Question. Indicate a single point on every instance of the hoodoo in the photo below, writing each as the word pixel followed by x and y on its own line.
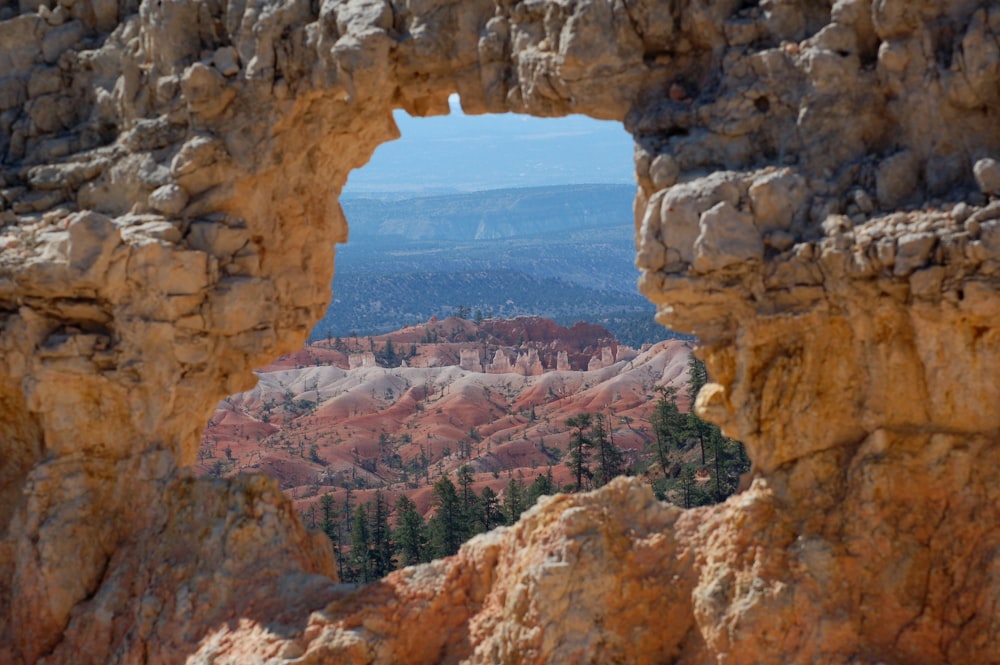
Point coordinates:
pixel 817 202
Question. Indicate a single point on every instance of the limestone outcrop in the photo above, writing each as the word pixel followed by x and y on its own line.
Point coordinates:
pixel 816 201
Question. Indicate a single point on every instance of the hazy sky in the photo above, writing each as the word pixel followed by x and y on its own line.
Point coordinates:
pixel 460 152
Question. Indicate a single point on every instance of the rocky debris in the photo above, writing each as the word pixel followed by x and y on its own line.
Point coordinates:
pixel 987 172
pixel 814 203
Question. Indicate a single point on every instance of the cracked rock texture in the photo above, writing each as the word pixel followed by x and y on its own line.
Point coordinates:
pixel 816 200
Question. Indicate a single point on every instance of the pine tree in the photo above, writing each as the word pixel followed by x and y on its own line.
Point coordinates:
pixel 348 514
pixel 541 486
pixel 609 457
pixel 729 461
pixel 328 517
pixel 360 546
pixel 382 562
pixel 741 463
pixel 698 377
pixel 386 447
pixel 469 500
pixel 701 430
pixel 490 514
pixel 579 448
pixel 388 356
pixel 668 424
pixel 447 532
pixel 329 524
pixel 411 533
pixel 687 487
pixel 514 500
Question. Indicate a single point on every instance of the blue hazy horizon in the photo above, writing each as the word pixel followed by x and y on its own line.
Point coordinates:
pixel 459 152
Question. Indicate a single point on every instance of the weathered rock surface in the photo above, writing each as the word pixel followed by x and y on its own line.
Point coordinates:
pixel 813 202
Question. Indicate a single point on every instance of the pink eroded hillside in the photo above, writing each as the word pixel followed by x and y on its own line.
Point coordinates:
pixel 318 426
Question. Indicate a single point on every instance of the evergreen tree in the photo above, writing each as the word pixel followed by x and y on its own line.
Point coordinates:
pixel 328 517
pixel 729 461
pixel 331 527
pixel 447 532
pixel 360 546
pixel 469 500
pixel 697 376
pixel 382 562
pixel 702 430
pixel 411 533
pixel 514 500
pixel 687 486
pixel 424 461
pixel 668 424
pixel 386 447
pixel 729 458
pixel 609 458
pixel 579 448
pixel 348 516
pixel 541 486
pixel 388 356
pixel 692 494
pixel 490 514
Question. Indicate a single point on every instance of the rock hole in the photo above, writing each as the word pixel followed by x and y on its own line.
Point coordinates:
pixel 440 223
pixel 762 104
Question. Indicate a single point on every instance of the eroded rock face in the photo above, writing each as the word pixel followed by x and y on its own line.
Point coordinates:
pixel 813 202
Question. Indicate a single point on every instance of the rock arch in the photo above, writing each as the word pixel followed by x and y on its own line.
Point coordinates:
pixel 813 183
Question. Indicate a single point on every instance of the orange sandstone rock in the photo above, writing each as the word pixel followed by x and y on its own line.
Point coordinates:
pixel 168 183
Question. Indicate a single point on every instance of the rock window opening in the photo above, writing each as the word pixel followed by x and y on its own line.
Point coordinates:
pixel 484 319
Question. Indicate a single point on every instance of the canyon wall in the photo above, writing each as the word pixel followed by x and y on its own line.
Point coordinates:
pixel 816 201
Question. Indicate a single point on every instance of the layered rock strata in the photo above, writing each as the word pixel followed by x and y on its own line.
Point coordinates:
pixel 816 202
